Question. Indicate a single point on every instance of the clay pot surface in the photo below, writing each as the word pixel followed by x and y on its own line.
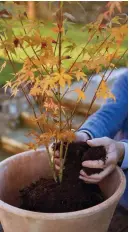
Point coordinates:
pixel 20 170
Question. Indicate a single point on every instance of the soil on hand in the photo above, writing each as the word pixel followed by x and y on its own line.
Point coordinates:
pixel 72 194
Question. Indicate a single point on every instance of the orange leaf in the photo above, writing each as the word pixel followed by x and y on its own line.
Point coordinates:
pixel 104 91
pixel 57 29
pixel 80 93
pixel 80 75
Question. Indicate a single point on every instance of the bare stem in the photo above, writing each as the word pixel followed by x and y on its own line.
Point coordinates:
pixel 61 158
pixel 60 51
pixel 52 166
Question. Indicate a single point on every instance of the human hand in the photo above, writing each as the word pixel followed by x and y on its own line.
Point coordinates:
pixel 115 153
pixel 80 137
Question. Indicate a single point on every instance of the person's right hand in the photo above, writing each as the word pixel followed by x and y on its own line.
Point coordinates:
pixel 115 151
pixel 80 137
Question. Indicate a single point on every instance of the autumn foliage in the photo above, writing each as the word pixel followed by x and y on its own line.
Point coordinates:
pixel 44 78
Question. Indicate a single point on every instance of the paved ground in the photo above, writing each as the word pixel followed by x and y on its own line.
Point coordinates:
pixel 119 222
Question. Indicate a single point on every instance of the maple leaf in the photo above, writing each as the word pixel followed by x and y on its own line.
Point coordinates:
pixel 104 91
pixel 99 61
pixel 57 29
pixel 116 20
pixel 62 82
pixel 70 47
pixel 119 33
pixel 80 75
pixel 110 56
pixel 50 105
pixel 62 78
pixel 81 94
pixel 67 135
pixel 7 85
pixel 35 91
pixel 46 138
pixel 24 76
pixel 14 92
pixel 8 46
pixel 27 64
pixel 78 66
pixel 36 39
pixel 47 59
pixel 3 66
pixel 33 134
pixel 41 118
pixel 31 146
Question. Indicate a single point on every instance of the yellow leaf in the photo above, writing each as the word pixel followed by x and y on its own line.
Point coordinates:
pixel 46 60
pixel 46 138
pixel 62 82
pixel 66 136
pixel 119 33
pixel 80 75
pixel 35 91
pixel 104 91
pixel 31 146
pixel 7 85
pixel 14 92
pixel 36 38
pixel 80 93
pixel 57 29
pixel 50 105
pixel 42 118
pixel 62 78
pixel 78 65
pixel 3 66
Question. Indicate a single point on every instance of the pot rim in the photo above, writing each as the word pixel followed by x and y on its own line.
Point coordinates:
pixel 66 215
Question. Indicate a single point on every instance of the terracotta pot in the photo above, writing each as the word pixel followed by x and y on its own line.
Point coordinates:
pixel 20 170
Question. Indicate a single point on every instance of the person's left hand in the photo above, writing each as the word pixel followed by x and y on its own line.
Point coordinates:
pixel 115 153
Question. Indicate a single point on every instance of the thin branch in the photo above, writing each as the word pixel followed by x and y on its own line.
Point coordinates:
pixel 82 51
pixel 27 97
pixel 94 97
pixel 116 64
pixel 86 84
pixel 32 46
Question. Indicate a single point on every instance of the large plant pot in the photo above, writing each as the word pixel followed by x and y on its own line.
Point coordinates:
pixel 20 170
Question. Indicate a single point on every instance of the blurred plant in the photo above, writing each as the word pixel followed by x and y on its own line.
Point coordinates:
pixel 45 80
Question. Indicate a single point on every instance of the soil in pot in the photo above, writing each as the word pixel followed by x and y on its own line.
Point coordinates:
pixel 72 194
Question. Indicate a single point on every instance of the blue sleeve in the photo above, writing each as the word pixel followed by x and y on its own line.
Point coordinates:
pixel 124 164
pixel 108 120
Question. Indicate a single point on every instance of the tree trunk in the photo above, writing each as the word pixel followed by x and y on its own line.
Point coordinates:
pixel 31 10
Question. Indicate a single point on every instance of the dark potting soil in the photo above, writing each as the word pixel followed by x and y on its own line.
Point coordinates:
pixel 72 194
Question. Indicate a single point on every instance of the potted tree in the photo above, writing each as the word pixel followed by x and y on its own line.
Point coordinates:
pixel 47 75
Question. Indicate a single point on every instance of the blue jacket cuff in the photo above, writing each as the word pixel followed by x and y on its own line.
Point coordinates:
pixel 125 160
